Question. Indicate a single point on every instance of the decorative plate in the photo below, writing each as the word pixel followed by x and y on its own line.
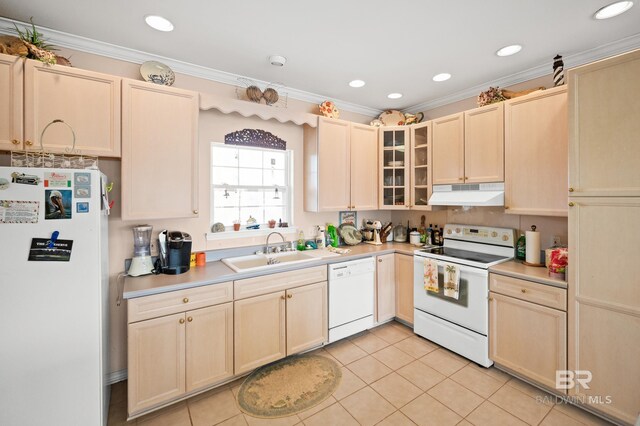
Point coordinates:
pixel 157 72
pixel 350 234
pixel 329 110
pixel 392 117
pixel 218 227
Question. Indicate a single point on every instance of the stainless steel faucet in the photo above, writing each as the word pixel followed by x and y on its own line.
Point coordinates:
pixel 269 236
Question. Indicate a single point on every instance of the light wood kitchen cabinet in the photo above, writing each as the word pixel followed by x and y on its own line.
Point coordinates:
pixel 421 164
pixel 536 153
pixel 259 334
pixel 394 168
pixel 484 144
pixel 159 152
pixel 527 338
pixel 11 102
pixel 404 287
pixel 156 361
pixel 385 287
pixel 37 94
pixel 307 317
pixel 448 149
pixel 338 157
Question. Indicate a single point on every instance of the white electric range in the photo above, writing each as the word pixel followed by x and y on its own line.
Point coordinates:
pixel 462 324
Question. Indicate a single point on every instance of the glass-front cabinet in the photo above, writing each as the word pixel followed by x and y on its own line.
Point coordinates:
pixel 420 166
pixel 394 168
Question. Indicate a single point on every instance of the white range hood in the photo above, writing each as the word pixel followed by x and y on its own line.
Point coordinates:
pixel 482 194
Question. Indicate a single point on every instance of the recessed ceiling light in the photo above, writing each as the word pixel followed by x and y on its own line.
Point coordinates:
pixel 277 60
pixel 394 95
pixel 614 9
pixel 158 23
pixel 442 77
pixel 356 83
pixel 509 50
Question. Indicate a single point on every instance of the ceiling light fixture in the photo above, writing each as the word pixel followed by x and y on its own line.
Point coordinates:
pixel 442 77
pixel 158 23
pixel 277 60
pixel 509 50
pixel 394 95
pixel 356 83
pixel 614 9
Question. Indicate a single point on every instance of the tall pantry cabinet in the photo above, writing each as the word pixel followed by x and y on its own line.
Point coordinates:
pixel 604 225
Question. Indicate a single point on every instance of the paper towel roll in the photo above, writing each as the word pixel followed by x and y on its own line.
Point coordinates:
pixel 533 246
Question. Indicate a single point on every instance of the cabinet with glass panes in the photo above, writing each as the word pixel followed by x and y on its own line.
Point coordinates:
pixel 420 166
pixel 394 168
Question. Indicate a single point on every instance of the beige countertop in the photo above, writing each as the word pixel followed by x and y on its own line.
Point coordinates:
pixel 217 272
pixel 516 269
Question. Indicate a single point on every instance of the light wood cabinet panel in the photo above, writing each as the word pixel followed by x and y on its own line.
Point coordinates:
pixel 546 295
pixel 11 102
pixel 307 317
pixel 603 138
pixel 385 287
pixel 527 338
pixel 448 149
pixel 394 168
pixel 404 287
pixel 209 346
pixel 364 162
pixel 259 331
pixel 87 101
pixel 536 156
pixel 156 361
pixel 159 152
pixel 484 144
pixel 421 166
pixel 264 284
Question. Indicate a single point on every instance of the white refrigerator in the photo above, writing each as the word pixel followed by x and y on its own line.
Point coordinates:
pixel 53 297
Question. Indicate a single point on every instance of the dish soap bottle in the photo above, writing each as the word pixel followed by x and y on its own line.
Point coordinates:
pixel 300 241
pixel 332 235
pixel 521 248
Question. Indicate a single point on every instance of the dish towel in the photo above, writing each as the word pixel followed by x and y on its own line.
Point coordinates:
pixel 451 280
pixel 431 275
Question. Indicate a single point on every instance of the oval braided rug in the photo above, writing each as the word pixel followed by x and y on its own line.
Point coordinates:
pixel 289 386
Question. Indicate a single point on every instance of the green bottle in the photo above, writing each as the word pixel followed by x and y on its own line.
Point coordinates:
pixel 521 248
pixel 332 235
pixel 301 241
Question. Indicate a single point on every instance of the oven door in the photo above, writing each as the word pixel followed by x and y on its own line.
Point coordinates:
pixel 470 310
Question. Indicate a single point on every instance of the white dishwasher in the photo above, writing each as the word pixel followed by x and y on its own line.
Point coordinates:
pixel 351 297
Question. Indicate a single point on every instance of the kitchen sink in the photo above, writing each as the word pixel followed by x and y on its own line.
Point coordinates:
pixel 258 262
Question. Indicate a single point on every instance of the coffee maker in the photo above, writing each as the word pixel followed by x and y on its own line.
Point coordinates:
pixel 141 263
pixel 175 252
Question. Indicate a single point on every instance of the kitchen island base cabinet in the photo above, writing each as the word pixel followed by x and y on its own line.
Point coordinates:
pixel 404 287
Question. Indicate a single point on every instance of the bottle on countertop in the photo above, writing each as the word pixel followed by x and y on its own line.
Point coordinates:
pixel 521 248
pixel 436 235
pixel 441 237
pixel 300 241
pixel 321 237
pixel 430 234
pixel 332 235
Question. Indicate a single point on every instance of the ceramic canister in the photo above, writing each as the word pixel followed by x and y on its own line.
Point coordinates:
pixel 414 238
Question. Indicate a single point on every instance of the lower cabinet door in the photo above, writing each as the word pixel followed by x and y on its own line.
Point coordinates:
pixel 404 287
pixel 385 287
pixel 259 331
pixel 307 317
pixel 209 345
pixel 527 338
pixel 156 361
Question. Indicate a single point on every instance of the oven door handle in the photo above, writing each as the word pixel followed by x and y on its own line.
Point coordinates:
pixel 462 268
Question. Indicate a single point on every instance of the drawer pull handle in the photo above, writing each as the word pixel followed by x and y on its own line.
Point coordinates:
pixel 189 319
pixel 15 142
pixel 571 204
pixel 289 296
pixel 181 320
pixel 28 143
pixel 282 297
pixel 185 300
pixel 524 290
pixel 571 189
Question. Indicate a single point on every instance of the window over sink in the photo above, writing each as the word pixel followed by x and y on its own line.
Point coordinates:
pixel 250 182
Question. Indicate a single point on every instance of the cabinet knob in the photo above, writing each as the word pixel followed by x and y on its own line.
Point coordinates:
pixel 466 178
pixel 289 296
pixel 181 320
pixel 571 204
pixel 185 300
pixel 379 260
pixel 195 212
pixel 506 207
pixel 570 189
pixel 282 297
pixel 15 141
pixel 460 178
pixel 28 143
pixel 189 319
pixel 490 299
pixel 524 290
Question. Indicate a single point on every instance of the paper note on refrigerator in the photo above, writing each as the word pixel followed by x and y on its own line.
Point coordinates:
pixel 19 211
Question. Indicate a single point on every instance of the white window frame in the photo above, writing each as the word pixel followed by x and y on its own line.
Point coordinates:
pixel 286 192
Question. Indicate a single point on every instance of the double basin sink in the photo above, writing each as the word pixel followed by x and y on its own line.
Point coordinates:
pixel 259 262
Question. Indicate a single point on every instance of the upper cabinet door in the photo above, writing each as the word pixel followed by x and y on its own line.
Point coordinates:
pixel 364 162
pixel 159 152
pixel 536 153
pixel 11 102
pixel 604 127
pixel 87 101
pixel 333 165
pixel 448 149
pixel 484 144
pixel 420 166
pixel 394 167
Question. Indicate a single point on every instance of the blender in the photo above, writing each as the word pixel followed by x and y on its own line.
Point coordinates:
pixel 141 263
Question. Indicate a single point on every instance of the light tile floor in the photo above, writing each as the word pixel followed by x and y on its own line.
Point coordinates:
pixel 391 377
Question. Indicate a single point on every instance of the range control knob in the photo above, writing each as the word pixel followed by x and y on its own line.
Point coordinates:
pixel 494 234
pixel 505 237
pixel 457 230
pixel 449 231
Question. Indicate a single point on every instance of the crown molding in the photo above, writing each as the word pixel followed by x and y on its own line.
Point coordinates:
pixel 571 61
pixel 83 44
